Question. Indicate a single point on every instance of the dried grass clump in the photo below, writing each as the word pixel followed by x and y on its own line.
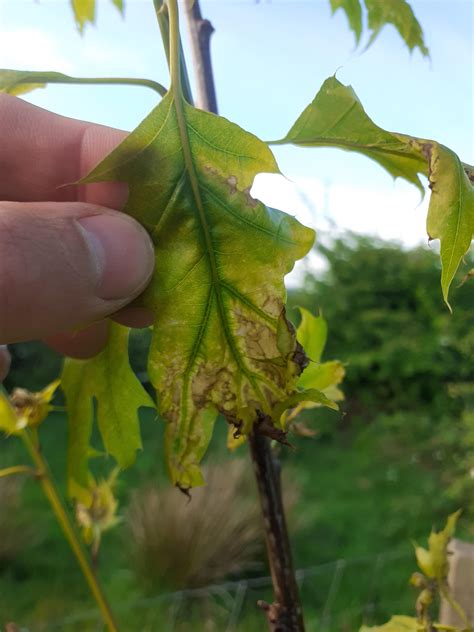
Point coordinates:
pixel 178 542
pixel 13 532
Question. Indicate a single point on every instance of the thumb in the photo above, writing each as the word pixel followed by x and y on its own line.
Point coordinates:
pixel 63 265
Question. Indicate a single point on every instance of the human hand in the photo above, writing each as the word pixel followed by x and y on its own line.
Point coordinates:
pixel 68 257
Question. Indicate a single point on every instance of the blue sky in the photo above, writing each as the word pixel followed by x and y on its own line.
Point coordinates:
pixel 270 58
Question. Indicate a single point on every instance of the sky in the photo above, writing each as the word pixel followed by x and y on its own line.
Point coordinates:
pixel 270 58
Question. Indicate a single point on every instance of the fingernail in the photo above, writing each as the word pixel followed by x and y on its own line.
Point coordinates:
pixel 123 254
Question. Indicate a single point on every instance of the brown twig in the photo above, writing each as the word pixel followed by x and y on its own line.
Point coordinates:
pixel 285 613
pixel 200 32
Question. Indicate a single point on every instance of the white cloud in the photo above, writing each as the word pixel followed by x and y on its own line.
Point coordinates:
pixel 32 49
pixel 390 212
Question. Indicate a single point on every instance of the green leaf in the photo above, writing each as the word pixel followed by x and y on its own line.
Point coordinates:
pixel 119 4
pixel 451 211
pixel 84 13
pixel 8 419
pixel 323 376
pixel 353 10
pixel 109 379
pixel 400 14
pixel 219 341
pixel 336 118
pixel 398 623
pixel 300 397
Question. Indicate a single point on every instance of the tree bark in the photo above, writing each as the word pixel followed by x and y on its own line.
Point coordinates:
pixel 200 32
pixel 285 613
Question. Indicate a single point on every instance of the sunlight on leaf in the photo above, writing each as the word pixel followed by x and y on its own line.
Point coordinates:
pixel 221 342
pixel 108 379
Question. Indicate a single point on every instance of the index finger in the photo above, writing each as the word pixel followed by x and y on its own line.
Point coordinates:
pixel 41 151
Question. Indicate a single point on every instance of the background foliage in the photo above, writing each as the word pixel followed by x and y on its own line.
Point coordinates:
pixel 399 460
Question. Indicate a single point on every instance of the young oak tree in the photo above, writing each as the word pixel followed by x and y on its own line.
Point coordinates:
pixel 221 342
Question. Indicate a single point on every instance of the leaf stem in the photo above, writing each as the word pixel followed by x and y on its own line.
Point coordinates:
pixel 39 77
pixel 175 48
pixel 70 533
pixel 16 469
pixel 163 17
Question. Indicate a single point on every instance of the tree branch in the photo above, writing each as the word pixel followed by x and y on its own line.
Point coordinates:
pixel 285 614
pixel 200 32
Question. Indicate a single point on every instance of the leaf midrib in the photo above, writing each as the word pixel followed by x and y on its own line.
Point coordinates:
pixel 216 281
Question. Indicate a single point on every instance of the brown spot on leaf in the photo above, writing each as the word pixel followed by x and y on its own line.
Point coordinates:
pixel 251 201
pixel 232 182
pixel 300 358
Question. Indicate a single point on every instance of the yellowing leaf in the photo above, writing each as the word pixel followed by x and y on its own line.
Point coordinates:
pixel 99 512
pixel 323 376
pixel 84 12
pixel 398 623
pixel 221 342
pixel 336 118
pixel 400 14
pixel 234 439
pixel 109 379
pixel 312 334
pixel 424 561
pixel 438 548
pixel 310 395
pixel 8 418
pixel 32 408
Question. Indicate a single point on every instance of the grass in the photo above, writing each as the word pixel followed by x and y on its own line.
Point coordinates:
pixel 354 504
